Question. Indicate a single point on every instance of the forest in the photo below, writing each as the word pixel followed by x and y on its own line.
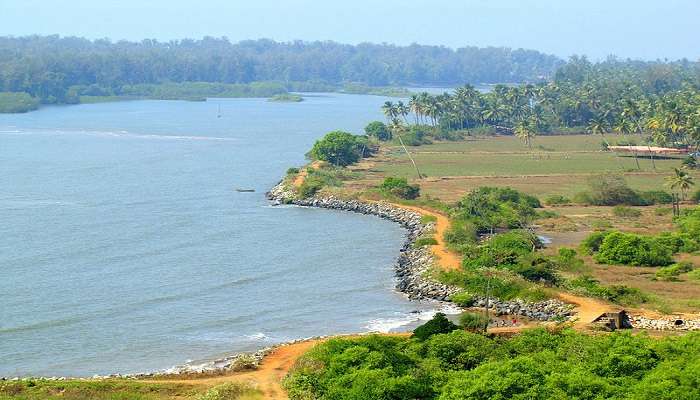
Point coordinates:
pixel 60 69
pixel 658 99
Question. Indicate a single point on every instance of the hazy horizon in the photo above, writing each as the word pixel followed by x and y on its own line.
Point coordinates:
pixel 646 30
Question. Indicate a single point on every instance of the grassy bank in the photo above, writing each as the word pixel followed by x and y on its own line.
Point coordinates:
pixel 11 102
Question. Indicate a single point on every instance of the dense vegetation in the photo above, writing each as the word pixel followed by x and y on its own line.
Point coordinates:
pixel 56 70
pixel 17 102
pixel 340 148
pixel 536 364
pixel 659 100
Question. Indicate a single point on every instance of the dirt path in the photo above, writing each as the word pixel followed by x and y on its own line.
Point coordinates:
pixel 447 259
pixel 304 172
pixel 267 378
pixel 587 309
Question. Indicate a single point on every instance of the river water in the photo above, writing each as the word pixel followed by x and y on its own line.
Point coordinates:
pixel 125 248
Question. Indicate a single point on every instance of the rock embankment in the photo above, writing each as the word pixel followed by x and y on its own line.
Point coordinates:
pixel 665 324
pixel 414 264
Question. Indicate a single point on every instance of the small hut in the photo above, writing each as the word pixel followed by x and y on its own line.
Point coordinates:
pixel 613 320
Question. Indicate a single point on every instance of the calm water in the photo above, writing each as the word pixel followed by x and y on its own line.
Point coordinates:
pixel 124 246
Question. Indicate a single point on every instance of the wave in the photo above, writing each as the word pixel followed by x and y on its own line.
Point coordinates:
pixel 118 134
pixel 386 325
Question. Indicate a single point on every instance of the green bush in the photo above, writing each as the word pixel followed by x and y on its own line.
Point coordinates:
pixel 460 234
pixel 473 321
pixel 619 294
pixel 689 223
pixel 227 391
pixel 592 243
pixel 427 219
pixel 378 130
pixel 502 250
pixel 417 135
pixel 489 208
pixel 672 272
pixel 654 197
pixel 626 212
pixel 463 299
pixel 310 187
pixel 556 199
pixel 537 268
pixel 631 249
pixel 292 171
pixel 425 241
pixel 437 325
pixel 566 254
pixel 17 102
pixel 690 162
pixel 399 187
pixel 695 197
pixel 611 190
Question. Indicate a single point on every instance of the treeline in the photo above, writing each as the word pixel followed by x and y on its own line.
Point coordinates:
pixel 47 67
pixel 658 99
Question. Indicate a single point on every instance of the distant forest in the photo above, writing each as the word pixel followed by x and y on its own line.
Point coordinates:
pixel 57 69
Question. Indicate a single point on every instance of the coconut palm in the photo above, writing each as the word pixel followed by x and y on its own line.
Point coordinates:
pixel 680 181
pixel 525 131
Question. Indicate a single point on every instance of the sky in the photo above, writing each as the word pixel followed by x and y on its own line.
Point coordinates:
pixel 640 29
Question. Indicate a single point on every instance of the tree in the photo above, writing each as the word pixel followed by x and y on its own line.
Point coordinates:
pixel 680 181
pixel 525 131
pixel 378 130
pixel 337 147
pixel 438 324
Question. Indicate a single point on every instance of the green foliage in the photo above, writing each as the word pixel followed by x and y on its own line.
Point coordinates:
pixel 619 294
pixel 631 249
pixel 536 365
pixel 111 389
pixel 502 250
pixel 695 197
pixel 229 391
pixel 460 234
pixel 672 272
pixel 690 162
pixel 378 130
pixel 689 223
pixel 425 241
pixel 473 321
pixel 286 98
pixel 591 244
pixel 626 212
pixel 292 171
pixel 198 91
pixel 399 187
pixel 489 208
pixel 502 284
pixel 654 197
pixel 417 135
pixel 427 219
pixel 338 148
pixel 17 102
pixel 556 199
pixel 611 190
pixel 437 325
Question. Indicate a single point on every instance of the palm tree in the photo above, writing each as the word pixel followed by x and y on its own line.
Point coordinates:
pixel 525 131
pixel 397 130
pixel 681 181
pixel 390 111
pixel 623 127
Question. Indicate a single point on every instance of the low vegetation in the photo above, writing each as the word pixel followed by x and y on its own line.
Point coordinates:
pixel 340 148
pixel 536 364
pixel 17 102
pixel 286 98
pixel 400 188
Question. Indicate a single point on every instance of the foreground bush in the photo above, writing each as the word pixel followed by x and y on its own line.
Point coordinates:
pixel 339 148
pixel 535 365
pixel 438 324
pixel 378 130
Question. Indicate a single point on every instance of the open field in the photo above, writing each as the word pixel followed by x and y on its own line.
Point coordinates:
pixel 455 168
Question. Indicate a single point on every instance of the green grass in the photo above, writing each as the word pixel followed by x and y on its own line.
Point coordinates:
pixel 514 164
pixel 510 143
pixel 286 98
pixel 113 389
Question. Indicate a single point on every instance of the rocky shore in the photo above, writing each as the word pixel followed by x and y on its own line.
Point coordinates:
pixel 413 266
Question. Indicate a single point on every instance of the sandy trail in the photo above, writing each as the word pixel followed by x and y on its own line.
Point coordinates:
pixel 304 172
pixel 267 378
pixel 447 259
pixel 587 309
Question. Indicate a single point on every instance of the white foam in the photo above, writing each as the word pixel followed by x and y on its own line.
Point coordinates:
pixel 386 325
pixel 258 336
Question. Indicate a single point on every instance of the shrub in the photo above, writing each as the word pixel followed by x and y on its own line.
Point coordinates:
pixel 489 207
pixel 427 219
pixel 292 171
pixel 654 197
pixel 227 391
pixel 17 102
pixel 556 199
pixel 631 249
pixel 592 243
pixel 416 136
pixel 310 187
pixel 502 250
pixel 611 190
pixel 566 254
pixel 689 223
pixel 425 241
pixel 537 269
pixel 399 187
pixel 437 325
pixel 473 321
pixel 626 212
pixel 690 162
pixel 695 197
pixel 378 130
pixel 583 198
pixel 617 293
pixel 672 272
pixel 463 299
pixel 460 233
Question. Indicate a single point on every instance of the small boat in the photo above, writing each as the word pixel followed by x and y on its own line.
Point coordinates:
pixel 244 190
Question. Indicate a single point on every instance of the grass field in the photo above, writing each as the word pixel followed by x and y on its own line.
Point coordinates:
pixel 454 168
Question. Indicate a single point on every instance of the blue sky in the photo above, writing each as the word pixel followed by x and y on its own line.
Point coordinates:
pixel 647 29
